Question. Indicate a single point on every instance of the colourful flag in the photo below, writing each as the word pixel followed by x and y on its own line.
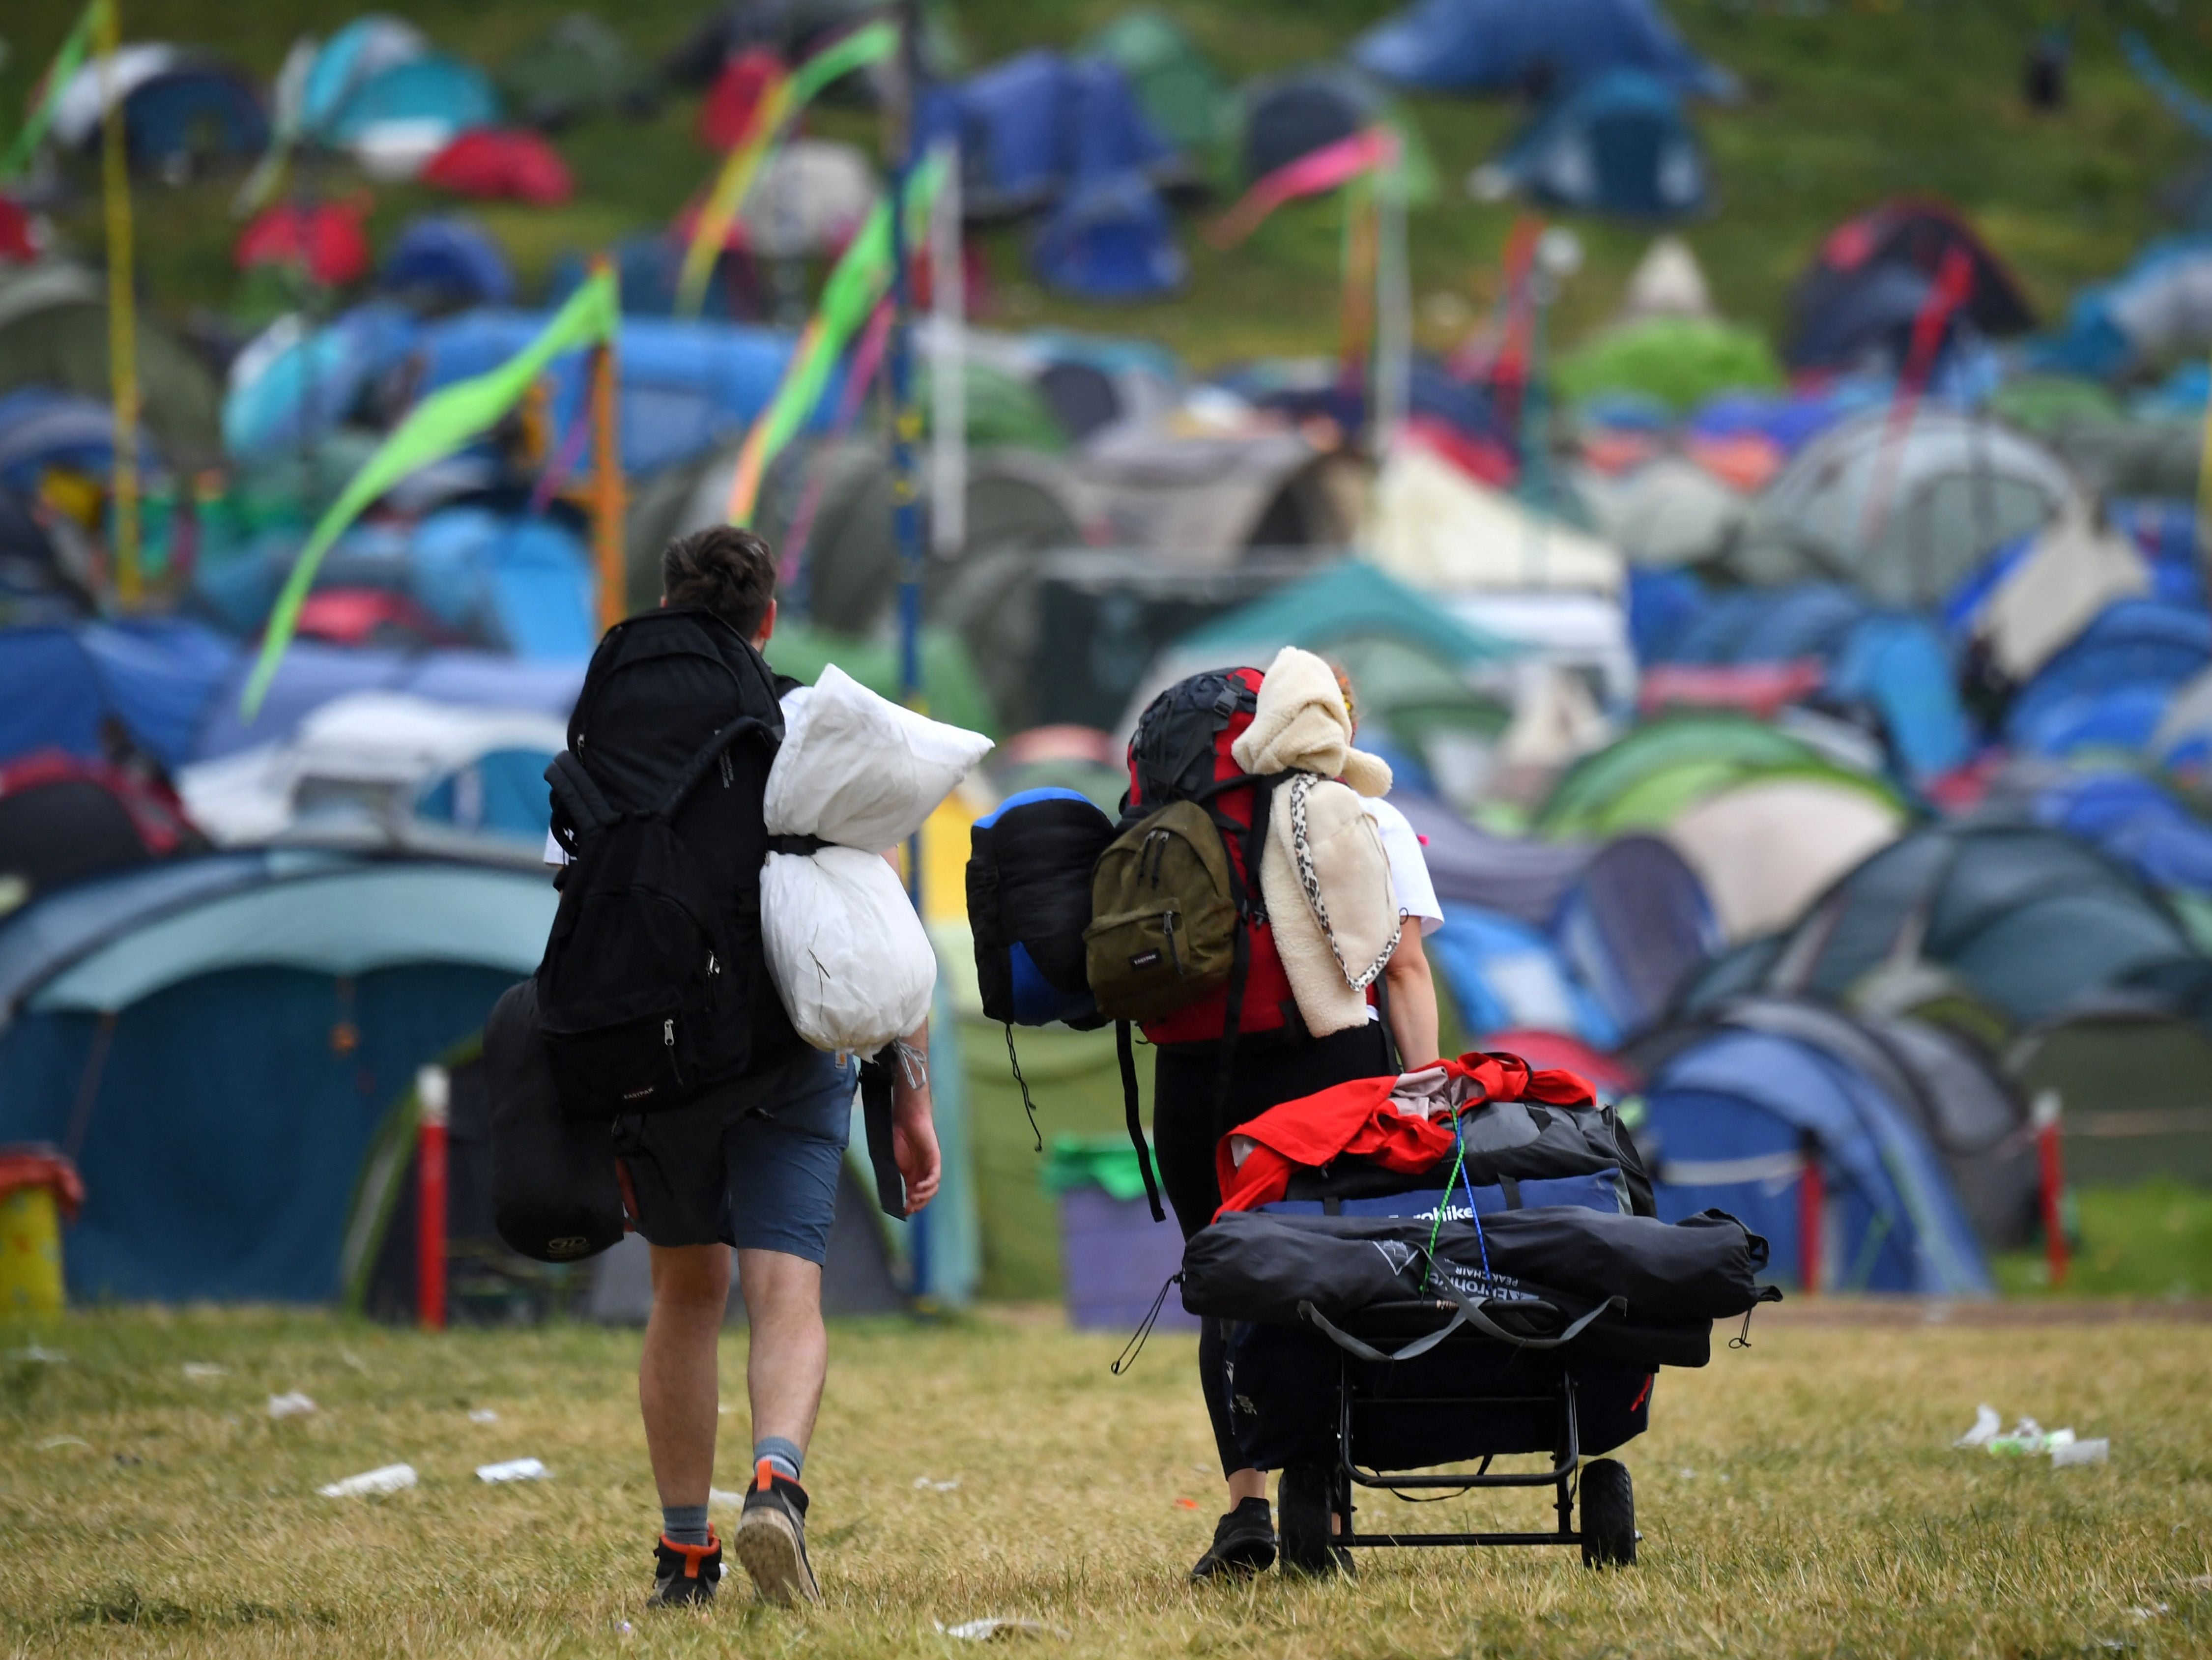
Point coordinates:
pixel 1320 170
pixel 446 421
pixel 862 273
pixel 48 91
pixel 782 101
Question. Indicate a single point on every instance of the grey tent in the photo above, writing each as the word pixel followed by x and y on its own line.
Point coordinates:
pixel 1902 513
pixel 1205 498
pixel 2133 1084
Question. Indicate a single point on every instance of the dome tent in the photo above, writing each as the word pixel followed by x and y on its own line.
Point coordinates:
pixel 1618 144
pixel 1906 238
pixel 1952 490
pixel 212 1040
pixel 182 109
pixel 1502 46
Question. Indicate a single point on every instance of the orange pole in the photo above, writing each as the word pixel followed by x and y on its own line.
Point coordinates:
pixel 607 492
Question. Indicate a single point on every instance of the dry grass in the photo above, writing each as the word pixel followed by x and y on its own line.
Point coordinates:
pixel 1799 1497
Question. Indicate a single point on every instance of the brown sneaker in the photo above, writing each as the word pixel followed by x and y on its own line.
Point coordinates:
pixel 684 1573
pixel 771 1539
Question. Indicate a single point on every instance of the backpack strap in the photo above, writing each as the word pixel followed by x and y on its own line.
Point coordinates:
pixel 875 1079
pixel 708 753
pixel 1125 1052
pixel 1251 912
pixel 579 805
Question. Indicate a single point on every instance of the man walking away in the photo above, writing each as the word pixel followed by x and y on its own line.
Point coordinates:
pixel 752 1164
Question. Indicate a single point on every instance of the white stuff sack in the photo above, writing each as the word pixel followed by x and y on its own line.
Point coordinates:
pixel 849 957
pixel 859 770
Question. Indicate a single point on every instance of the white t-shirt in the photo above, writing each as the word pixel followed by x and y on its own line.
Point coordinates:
pixel 1409 870
pixel 557 855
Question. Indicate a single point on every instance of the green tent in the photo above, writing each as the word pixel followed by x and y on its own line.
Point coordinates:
pixel 53 333
pixel 1644 780
pixel 576 69
pixel 1181 93
pixel 1679 361
pixel 2048 404
pixel 1003 410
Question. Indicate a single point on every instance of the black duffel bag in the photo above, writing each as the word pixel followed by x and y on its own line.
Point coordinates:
pixel 1541 1277
pixel 554 1196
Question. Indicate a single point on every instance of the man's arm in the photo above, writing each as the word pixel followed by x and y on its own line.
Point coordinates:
pixel 914 1132
pixel 1413 998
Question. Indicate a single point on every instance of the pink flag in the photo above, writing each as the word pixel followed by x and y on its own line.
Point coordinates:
pixel 1316 171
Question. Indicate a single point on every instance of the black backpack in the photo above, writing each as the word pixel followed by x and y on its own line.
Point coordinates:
pixel 653 985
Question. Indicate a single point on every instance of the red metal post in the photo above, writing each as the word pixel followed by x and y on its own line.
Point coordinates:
pixel 1811 1218
pixel 432 1092
pixel 2052 1163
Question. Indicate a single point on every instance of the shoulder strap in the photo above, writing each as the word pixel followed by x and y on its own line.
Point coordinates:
pixel 1125 1052
pixel 577 799
pixel 708 755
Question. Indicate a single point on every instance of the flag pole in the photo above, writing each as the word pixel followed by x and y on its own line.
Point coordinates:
pixel 603 380
pixel 122 318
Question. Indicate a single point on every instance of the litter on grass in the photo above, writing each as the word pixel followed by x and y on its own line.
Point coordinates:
pixel 290 1404
pixel 923 1484
pixel 37 1356
pixel 2096 1451
pixel 202 1372
pixel 990 1630
pixel 53 1441
pixel 391 1478
pixel 484 1415
pixel 725 1499
pixel 2029 1439
pixel 1987 1423
pixel 514 1470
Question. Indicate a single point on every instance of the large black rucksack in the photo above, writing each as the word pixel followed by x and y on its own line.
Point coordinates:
pixel 653 985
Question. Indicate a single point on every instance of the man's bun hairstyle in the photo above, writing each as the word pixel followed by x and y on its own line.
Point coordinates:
pixel 723 569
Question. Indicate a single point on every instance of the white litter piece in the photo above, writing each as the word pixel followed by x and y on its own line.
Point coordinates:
pixel 484 1415
pixel 923 1484
pixel 37 1356
pixel 1987 1422
pixel 993 1629
pixel 389 1479
pixel 54 1441
pixel 290 1404
pixel 722 1498
pixel 514 1470
pixel 202 1372
pixel 2098 1451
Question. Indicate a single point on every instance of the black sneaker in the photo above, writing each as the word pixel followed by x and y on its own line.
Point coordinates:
pixel 771 1539
pixel 1244 1544
pixel 684 1573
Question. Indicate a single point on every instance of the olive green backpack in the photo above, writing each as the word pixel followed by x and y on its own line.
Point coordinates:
pixel 1164 918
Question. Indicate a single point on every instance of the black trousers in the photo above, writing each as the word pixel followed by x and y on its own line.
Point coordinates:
pixel 1267 1070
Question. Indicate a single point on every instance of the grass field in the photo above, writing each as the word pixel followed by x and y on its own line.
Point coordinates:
pixel 1800 1497
pixel 1845 103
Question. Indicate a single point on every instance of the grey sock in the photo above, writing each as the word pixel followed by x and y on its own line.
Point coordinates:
pixel 685 1524
pixel 783 1456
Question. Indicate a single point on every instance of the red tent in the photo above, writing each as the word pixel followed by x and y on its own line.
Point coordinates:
pixel 737 92
pixel 487 163
pixel 324 239
pixel 370 616
pixel 1612 1074
pixel 19 238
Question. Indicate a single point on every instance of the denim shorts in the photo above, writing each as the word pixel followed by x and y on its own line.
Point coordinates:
pixel 751 1164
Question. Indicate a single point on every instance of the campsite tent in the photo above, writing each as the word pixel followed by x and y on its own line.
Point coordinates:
pixel 36 588
pixel 489 164
pixel 1180 92
pixel 448 262
pixel 1286 116
pixel 153 676
pixel 1109 238
pixel 2111 686
pixel 355 55
pixel 1766 847
pixel 2128 1077
pixel 1952 1089
pixel 1033 125
pixel 1669 513
pixel 2138 821
pixel 1520 877
pixel 2183 738
pixel 1902 511
pixel 1736 1119
pixel 1682 361
pixel 2026 921
pixel 1501 972
pixel 2159 308
pixel 1432 526
pixel 381 759
pixel 40 429
pixel 182 109
pixel 1618 144
pixel 1498 46
pixel 1205 496
pixel 1633 926
pixel 1902 238
pixel 53 333
pixel 63 819
pixel 577 67
pixel 213 1041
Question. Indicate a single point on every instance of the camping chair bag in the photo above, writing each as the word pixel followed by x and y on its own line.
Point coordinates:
pixel 555 1196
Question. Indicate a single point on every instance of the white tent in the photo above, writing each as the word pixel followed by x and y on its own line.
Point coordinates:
pixel 1666 281
pixel 1430 525
pixel 1766 849
pixel 1671 512
pixel 2073 570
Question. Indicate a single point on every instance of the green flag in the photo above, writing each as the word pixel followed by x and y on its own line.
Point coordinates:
pixel 441 423
pixel 48 91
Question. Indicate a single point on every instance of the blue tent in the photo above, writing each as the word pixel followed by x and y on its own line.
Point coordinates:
pixel 42 427
pixel 196 110
pixel 356 54
pixel 431 88
pixel 1032 126
pixel 215 1042
pixel 1898 665
pixel 2112 682
pixel 1737 1117
pixel 1634 928
pixel 289 387
pixel 2166 532
pixel 523 583
pixel 1664 610
pixel 1109 238
pixel 1772 625
pixel 1505 45
pixel 448 259
pixel 156 677
pixel 2137 318
pixel 1506 975
pixel 1618 144
pixel 2138 821
pixel 686 387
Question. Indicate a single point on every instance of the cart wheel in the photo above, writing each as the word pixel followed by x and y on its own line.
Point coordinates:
pixel 1302 1520
pixel 1608 1515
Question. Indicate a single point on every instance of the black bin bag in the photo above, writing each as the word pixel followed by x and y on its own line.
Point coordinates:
pixel 555 1196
